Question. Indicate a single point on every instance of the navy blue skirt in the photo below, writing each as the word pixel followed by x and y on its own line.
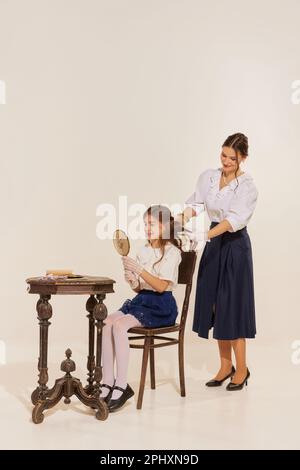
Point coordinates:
pixel 225 288
pixel 153 309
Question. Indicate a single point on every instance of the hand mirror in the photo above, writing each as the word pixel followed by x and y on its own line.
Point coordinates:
pixel 121 242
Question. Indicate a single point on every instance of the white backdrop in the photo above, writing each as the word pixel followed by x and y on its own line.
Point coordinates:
pixel 134 98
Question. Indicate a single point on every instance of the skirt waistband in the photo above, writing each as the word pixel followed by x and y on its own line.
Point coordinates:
pixel 213 224
pixel 154 292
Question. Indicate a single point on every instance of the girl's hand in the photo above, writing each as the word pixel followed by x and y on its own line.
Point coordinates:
pixel 131 265
pixel 131 278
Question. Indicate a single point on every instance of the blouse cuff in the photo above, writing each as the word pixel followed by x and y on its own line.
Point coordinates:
pixel 234 223
pixel 197 207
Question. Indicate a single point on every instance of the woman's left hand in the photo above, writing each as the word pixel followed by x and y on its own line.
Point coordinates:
pixel 196 238
pixel 197 235
pixel 131 265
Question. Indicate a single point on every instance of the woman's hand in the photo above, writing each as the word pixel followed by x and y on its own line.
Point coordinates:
pixel 178 228
pixel 197 237
pixel 131 265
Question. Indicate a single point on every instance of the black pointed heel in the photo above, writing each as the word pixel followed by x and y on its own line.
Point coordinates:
pixel 232 386
pixel 218 383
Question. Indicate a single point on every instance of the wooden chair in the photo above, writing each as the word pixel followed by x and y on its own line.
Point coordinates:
pixel 150 336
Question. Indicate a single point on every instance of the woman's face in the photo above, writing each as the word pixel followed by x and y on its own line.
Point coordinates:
pixel 153 228
pixel 229 159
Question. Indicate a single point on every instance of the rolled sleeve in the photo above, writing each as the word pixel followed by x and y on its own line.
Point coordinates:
pixel 242 207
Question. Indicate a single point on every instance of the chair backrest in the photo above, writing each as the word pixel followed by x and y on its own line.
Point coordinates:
pixel 185 276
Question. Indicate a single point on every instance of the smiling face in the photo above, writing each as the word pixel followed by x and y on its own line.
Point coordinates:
pixel 230 160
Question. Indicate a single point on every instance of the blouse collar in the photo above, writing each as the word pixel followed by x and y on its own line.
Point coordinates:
pixel 216 178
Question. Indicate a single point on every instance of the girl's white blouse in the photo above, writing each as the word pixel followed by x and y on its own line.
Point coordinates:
pixel 166 269
pixel 235 202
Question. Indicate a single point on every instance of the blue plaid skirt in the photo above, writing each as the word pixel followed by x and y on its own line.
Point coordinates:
pixel 153 309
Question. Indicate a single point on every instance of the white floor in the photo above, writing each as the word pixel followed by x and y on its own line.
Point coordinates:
pixel 265 415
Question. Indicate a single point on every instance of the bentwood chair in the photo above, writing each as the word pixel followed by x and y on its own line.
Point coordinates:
pixel 154 338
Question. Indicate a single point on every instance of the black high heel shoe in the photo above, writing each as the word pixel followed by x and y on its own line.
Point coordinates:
pixel 218 383
pixel 232 386
pixel 115 404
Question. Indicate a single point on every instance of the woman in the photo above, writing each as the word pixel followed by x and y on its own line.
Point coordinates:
pixel 225 288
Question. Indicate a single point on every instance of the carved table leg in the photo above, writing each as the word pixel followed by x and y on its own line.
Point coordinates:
pixel 66 387
pixel 100 313
pixel 90 305
pixel 44 311
pixel 91 401
pixel 52 399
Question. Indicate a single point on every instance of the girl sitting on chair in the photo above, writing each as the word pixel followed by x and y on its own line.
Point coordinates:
pixel 153 276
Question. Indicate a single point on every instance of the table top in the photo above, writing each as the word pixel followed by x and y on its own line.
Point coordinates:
pixel 49 285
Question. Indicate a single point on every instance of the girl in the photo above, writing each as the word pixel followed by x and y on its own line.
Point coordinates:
pixel 225 287
pixel 153 276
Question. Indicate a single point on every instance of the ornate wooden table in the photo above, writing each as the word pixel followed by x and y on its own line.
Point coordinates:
pixel 43 397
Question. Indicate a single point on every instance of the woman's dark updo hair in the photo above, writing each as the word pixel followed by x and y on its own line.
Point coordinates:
pixel 239 143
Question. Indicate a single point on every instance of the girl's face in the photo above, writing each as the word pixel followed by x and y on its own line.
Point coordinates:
pixel 229 159
pixel 153 228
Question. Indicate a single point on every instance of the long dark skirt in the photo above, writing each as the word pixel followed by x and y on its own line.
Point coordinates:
pixel 225 288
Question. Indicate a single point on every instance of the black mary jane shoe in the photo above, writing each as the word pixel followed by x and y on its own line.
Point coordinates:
pixel 218 383
pixel 232 386
pixel 108 396
pixel 114 405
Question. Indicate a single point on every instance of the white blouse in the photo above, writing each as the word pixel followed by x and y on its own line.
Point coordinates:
pixel 166 269
pixel 235 202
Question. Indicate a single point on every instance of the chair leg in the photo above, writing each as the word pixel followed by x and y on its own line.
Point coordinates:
pixel 143 373
pixel 181 366
pixel 152 365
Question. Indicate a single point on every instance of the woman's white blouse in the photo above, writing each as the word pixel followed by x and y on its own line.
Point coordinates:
pixel 166 269
pixel 235 202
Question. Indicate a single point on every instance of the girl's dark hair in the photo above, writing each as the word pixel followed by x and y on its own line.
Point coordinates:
pixel 239 143
pixel 163 215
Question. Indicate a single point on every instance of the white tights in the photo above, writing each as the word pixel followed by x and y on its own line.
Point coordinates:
pixel 115 347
